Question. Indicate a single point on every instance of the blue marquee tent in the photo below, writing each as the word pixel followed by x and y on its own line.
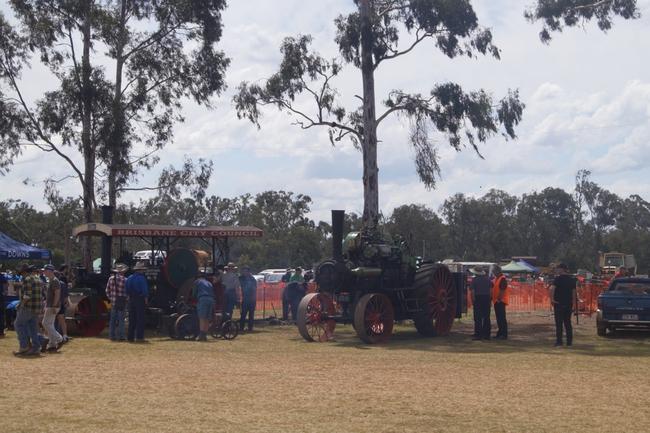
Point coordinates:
pixel 11 249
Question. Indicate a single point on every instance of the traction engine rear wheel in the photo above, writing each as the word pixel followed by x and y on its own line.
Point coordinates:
pixel 315 321
pixel 434 288
pixel 374 317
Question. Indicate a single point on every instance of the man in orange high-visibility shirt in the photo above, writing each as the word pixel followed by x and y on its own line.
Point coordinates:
pixel 500 299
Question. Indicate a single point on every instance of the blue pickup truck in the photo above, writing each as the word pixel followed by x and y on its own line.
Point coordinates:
pixel 624 305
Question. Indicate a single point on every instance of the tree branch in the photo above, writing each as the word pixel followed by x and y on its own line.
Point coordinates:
pixel 38 129
pixel 388 112
pixel 593 5
pixel 154 38
pixel 418 39
pixel 310 121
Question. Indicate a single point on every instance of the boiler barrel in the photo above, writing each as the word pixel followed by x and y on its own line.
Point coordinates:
pixel 86 315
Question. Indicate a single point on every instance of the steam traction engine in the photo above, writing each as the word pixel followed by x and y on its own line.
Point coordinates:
pixel 372 283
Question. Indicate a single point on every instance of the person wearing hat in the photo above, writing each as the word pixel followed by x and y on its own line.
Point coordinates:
pixel 203 292
pixel 563 292
pixel 52 306
pixel 231 288
pixel 480 289
pixel 248 285
pixel 116 293
pixel 137 290
pixel 29 308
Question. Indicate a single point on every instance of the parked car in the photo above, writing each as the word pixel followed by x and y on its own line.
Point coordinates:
pixel 145 256
pixel 624 305
pixel 273 275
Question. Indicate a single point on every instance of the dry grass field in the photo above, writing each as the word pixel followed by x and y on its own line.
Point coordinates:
pixel 272 381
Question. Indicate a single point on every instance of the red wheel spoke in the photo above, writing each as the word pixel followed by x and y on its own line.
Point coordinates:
pixel 313 317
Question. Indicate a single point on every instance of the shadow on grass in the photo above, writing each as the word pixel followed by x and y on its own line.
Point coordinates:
pixel 532 338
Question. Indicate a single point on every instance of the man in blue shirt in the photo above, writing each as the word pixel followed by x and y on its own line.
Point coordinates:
pixel 248 286
pixel 481 291
pixel 137 289
pixel 203 292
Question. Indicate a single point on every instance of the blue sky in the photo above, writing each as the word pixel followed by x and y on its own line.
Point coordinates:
pixel 587 97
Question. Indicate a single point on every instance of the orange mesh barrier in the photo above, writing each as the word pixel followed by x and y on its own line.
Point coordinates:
pixel 528 296
pixel 525 296
pixel 269 296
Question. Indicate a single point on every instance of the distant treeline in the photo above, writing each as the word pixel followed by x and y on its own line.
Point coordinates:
pixel 551 224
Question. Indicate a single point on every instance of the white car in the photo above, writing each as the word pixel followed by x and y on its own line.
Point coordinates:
pixel 145 255
pixel 273 275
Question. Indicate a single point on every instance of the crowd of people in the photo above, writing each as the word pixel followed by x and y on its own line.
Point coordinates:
pixel 43 298
pixel 492 290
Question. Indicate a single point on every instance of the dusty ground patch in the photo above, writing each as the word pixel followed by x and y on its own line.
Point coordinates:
pixel 272 381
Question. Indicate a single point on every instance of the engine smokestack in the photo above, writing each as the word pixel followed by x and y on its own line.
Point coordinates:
pixel 337 234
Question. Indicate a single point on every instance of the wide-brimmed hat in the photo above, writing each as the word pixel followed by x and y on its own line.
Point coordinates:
pixel 478 270
pixel 120 267
pixel 140 266
pixel 49 267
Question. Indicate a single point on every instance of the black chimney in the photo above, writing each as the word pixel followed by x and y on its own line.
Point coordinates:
pixel 107 241
pixel 337 234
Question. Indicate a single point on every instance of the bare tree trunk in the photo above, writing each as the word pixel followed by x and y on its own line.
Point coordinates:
pixel 369 143
pixel 86 142
pixel 117 133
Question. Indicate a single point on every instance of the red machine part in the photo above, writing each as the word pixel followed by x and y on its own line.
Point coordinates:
pixel 434 288
pixel 314 317
pixel 374 317
pixel 86 316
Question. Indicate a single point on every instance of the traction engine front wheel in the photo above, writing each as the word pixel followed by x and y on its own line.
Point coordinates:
pixel 315 321
pixel 374 317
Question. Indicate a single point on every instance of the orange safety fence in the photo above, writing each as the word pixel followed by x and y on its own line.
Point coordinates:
pixel 525 296
pixel 534 295
pixel 269 297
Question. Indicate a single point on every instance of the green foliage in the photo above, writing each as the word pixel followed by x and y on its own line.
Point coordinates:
pixel 466 118
pixel 49 230
pixel 162 52
pixel 558 14
pixel 452 25
pixel 421 228
pixel 551 224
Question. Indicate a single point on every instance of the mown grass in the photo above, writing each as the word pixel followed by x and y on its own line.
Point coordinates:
pixel 273 381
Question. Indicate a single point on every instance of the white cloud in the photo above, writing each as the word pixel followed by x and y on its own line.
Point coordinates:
pixel 587 96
